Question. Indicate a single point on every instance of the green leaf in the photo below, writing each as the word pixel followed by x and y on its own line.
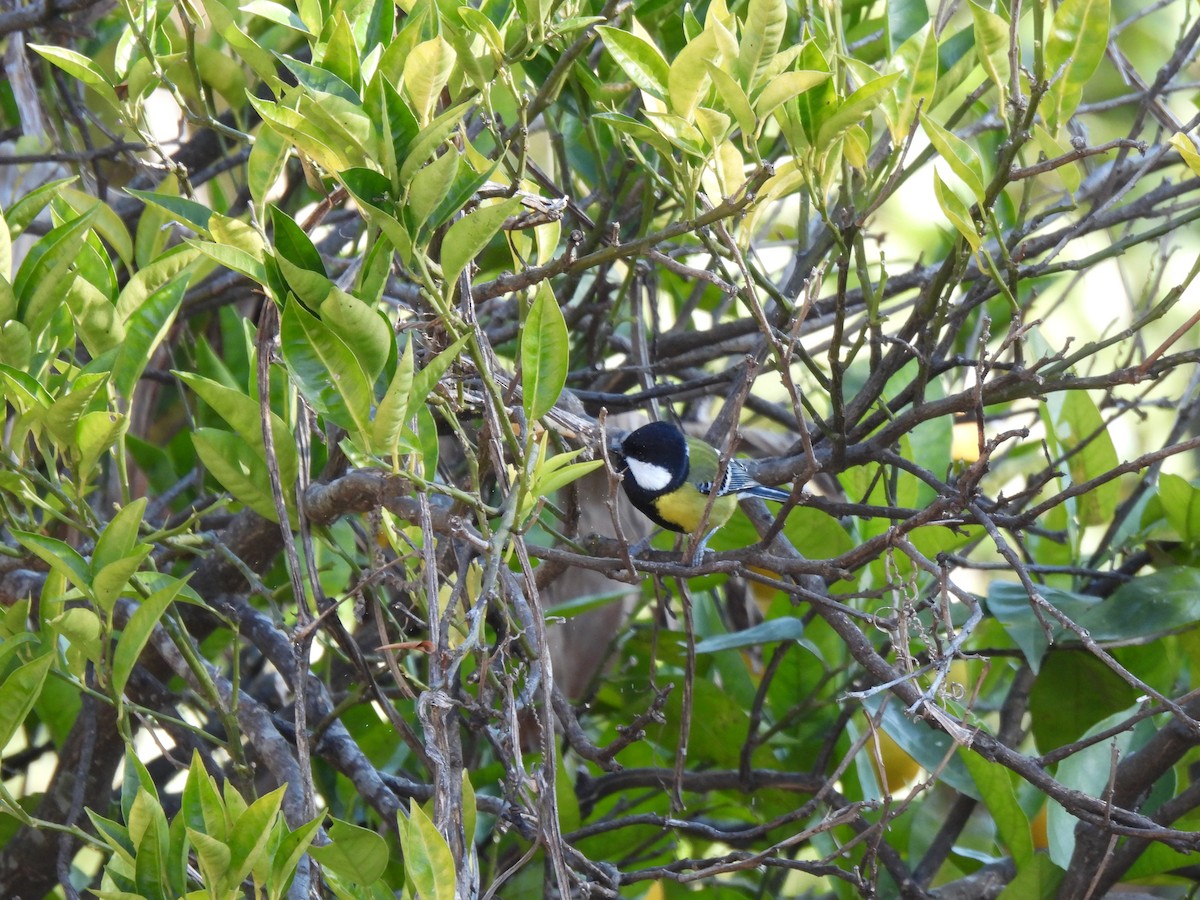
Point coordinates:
pixel 428 189
pixel 81 68
pixel 931 749
pixel 152 847
pixel 956 211
pixel 341 54
pixel 1012 608
pixel 766 21
pixel 855 108
pixel 991 48
pixel 137 634
pixel 62 418
pixel 120 535
pixel 80 626
pixel 234 258
pixel 148 323
pixel 234 464
pixel 783 88
pixel 287 856
pixel 319 80
pixel 250 834
pixel 357 854
pixel 641 60
pixel 1096 692
pixel 904 19
pixel 106 223
pixel 734 98
pixel 268 156
pixel 95 433
pixel 1038 877
pixel 917 59
pixel 59 555
pixel 1083 435
pixel 428 140
pixel 325 369
pixel 1181 502
pixel 392 414
pixel 426 72
pixel 244 414
pixel 467 237
pixel 25 210
pixel 545 354
pixel 365 330
pixel 959 155
pixel 427 378
pixel 783 628
pixel 189 212
pixel 639 130
pixel 428 864
pixel 277 13
pixel 212 855
pixel 688 79
pixel 1187 150
pixel 308 137
pixel 1078 39
pixel 293 244
pixel 19 691
pixel 45 275
pixel 554 473
pixel 202 807
pixel 1000 797
pixel 109 582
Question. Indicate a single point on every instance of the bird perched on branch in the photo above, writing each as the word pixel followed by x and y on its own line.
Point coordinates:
pixel 669 476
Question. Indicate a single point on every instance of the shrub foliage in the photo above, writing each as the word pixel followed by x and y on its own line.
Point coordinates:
pixel 315 320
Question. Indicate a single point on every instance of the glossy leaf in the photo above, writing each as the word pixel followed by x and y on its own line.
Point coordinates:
pixel 995 783
pixel 1187 150
pixel 45 275
pixel 956 211
pixel 638 58
pixel 959 155
pixel 231 461
pixel 784 88
pixel 918 60
pixel 356 854
pixel 120 535
pixel 189 212
pixel 467 237
pixel 147 325
pixel 545 349
pixel 392 414
pixel 1082 434
pixel 762 34
pixel 1076 44
pixel 19 691
pixel 1181 502
pixel 428 140
pixel 687 78
pixel 855 108
pixel 991 47
pixel 428 864
pixel 426 72
pixel 325 369
pixel 80 67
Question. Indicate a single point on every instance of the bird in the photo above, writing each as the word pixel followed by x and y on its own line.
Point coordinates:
pixel 668 477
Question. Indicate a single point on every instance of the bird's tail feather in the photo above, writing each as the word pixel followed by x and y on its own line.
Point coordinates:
pixel 766 493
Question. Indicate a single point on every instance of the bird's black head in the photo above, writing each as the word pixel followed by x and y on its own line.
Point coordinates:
pixel 655 459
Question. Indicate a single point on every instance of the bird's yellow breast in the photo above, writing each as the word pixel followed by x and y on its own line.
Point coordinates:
pixel 685 507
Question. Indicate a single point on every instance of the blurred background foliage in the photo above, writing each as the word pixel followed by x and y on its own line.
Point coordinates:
pixel 314 318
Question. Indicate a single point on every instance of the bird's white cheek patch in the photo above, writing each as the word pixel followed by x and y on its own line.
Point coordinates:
pixel 648 476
